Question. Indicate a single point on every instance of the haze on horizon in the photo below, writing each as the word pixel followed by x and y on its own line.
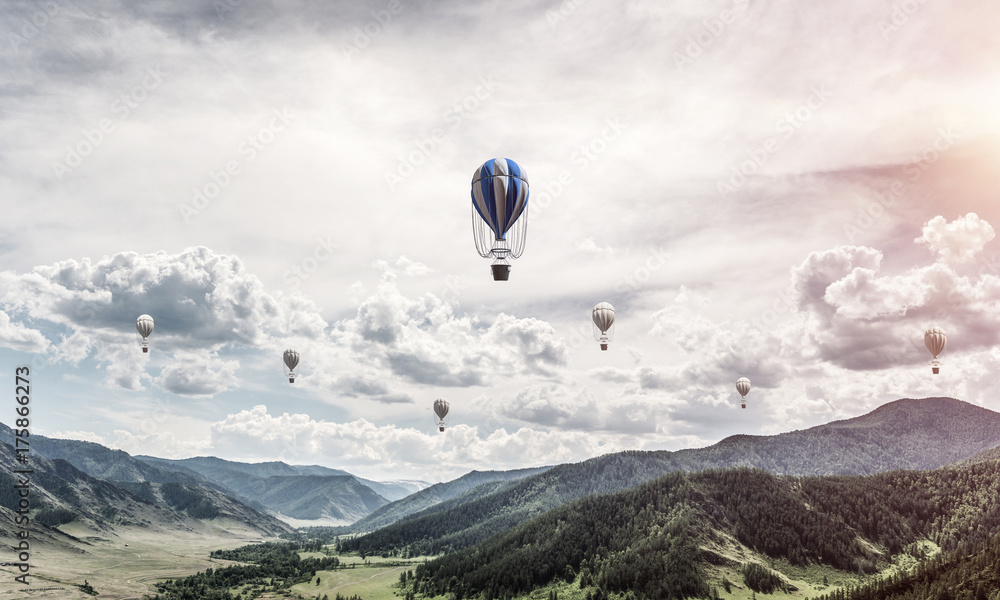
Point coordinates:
pixel 792 194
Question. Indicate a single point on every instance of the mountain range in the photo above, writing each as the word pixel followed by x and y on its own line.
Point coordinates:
pixel 905 434
pixel 852 494
pixel 296 493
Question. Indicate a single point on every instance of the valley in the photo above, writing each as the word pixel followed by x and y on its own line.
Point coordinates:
pixel 847 513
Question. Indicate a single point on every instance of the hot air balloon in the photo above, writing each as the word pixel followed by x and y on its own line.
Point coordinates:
pixel 935 340
pixel 291 358
pixel 604 323
pixel 500 213
pixel 144 325
pixel 743 387
pixel 441 410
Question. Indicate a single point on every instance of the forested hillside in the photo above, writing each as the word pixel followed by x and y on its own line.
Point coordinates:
pixel 915 434
pixel 438 495
pixel 666 530
pixel 972 572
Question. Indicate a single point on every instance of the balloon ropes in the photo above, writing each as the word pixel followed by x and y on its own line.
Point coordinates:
pixel 291 360
pixel 499 213
pixel 604 323
pixel 743 387
pixel 935 340
pixel 441 410
pixel 144 326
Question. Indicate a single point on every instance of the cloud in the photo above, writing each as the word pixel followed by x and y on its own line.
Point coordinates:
pixel 193 374
pixel 856 317
pixel 563 408
pixel 360 444
pixel 424 342
pixel 719 352
pixel 19 337
pixel 200 301
pixel 958 241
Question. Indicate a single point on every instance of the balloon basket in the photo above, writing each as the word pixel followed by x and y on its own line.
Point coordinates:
pixel 744 405
pixel 604 346
pixel 440 428
pixel 935 370
pixel 500 272
pixel 291 380
pixel 146 350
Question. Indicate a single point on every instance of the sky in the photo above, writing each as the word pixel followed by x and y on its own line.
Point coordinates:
pixel 782 191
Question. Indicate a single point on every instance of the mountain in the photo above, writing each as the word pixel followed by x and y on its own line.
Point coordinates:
pixel 905 434
pixel 390 490
pixel 306 493
pixel 437 494
pixel 683 533
pixel 969 572
pixel 100 461
pixel 61 493
pixel 985 455
pixel 313 497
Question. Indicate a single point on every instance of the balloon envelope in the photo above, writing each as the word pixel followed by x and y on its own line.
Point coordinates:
pixel 441 408
pixel 935 340
pixel 291 358
pixel 604 316
pixel 144 325
pixel 743 386
pixel 500 194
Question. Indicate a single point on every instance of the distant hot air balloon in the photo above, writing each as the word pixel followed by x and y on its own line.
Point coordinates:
pixel 743 387
pixel 604 323
pixel 500 213
pixel 441 410
pixel 935 340
pixel 144 325
pixel 291 359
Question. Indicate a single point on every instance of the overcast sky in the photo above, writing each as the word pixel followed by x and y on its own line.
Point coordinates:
pixel 783 191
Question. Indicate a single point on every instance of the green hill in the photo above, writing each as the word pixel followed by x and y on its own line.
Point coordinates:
pixel 905 434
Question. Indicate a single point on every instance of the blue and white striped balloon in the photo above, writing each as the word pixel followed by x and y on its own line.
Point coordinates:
pixel 500 194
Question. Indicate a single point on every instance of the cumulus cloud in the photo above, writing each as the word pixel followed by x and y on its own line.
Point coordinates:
pixel 297 438
pixel 719 352
pixel 201 301
pixel 193 374
pixel 19 337
pixel 958 241
pixel 566 409
pixel 859 318
pixel 424 342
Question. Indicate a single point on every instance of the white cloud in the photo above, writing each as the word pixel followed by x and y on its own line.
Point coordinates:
pixel 367 448
pixel 193 374
pixel 958 241
pixel 19 337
